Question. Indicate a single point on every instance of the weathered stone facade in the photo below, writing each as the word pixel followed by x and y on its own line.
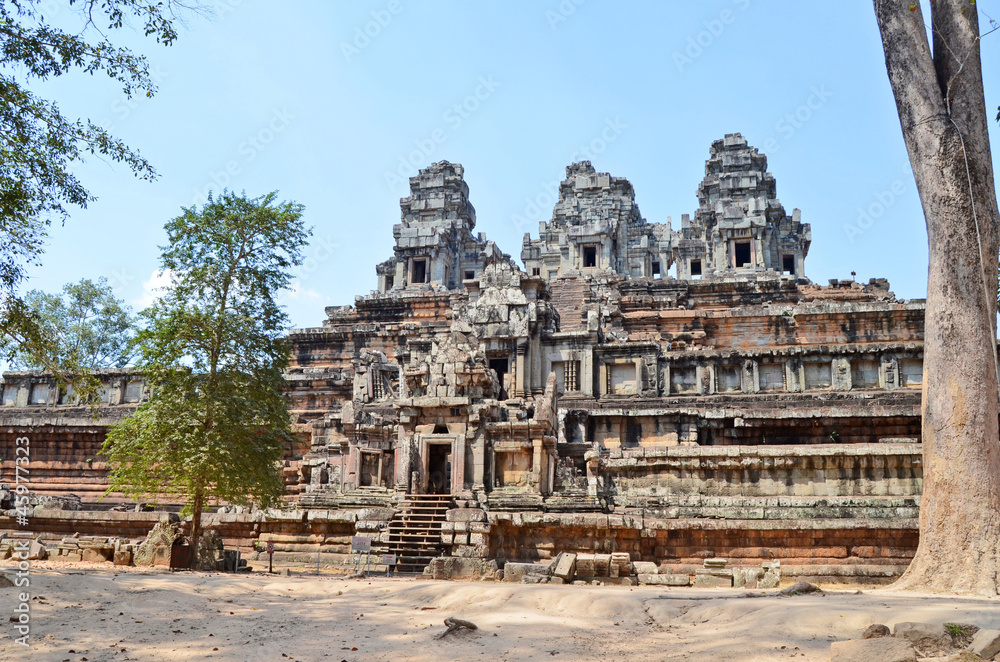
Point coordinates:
pixel 594 403
pixel 737 392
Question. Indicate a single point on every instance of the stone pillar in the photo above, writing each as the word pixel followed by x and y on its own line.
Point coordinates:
pixel 538 469
pixel 519 371
pixel 478 462
pixel 458 464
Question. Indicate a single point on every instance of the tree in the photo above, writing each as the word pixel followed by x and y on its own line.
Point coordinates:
pixel 39 145
pixel 942 112
pixel 216 428
pixel 90 329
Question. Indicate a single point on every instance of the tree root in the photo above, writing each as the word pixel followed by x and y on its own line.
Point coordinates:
pixel 455 624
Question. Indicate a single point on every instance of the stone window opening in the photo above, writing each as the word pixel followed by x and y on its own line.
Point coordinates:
pixel 741 250
pixel 656 270
pixel 469 275
pixel 788 264
pixel 440 428
pixel 419 272
pixel 378 386
pixel 589 257
pixel 536 271
pixel 571 375
pixel 9 396
pixel 695 269
pixel 389 281
pixel 39 394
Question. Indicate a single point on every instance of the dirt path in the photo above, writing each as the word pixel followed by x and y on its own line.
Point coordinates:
pixel 100 616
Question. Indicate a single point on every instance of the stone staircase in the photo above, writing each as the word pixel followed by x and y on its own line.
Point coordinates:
pixel 570 296
pixel 415 531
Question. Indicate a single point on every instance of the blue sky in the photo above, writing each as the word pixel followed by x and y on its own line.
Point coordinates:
pixel 334 104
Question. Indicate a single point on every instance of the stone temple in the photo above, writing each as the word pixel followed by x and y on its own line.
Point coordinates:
pixel 589 402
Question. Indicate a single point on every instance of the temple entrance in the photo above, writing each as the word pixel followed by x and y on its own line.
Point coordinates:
pixel 439 468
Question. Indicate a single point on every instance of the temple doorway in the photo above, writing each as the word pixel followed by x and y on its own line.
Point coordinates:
pixel 439 469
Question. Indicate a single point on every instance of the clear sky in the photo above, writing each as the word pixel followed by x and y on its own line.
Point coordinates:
pixel 334 104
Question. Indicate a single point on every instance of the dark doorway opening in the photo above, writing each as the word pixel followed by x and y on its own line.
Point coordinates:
pixel 589 256
pixel 419 271
pixel 439 469
pixel 742 253
pixel 501 366
pixel 788 264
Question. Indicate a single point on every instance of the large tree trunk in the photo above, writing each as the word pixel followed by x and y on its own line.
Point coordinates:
pixel 943 116
pixel 198 503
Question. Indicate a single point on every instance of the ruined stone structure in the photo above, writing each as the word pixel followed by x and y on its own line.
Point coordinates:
pixel 593 402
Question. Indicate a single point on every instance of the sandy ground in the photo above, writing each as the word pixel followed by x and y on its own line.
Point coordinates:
pixel 92 614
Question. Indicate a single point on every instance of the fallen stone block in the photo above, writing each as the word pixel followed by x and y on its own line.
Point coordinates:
pixel 37 551
pixel 664 580
pixel 986 643
pixel 747 577
pixel 884 649
pixel 96 554
pixel 926 638
pixel 565 566
pixel 716 563
pixel 514 572
pixel 713 578
pixel 645 568
pixel 123 557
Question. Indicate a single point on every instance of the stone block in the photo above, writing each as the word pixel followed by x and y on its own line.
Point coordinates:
pixel 97 554
pixel 664 580
pixel 645 568
pixel 986 644
pixel 713 578
pixel 716 563
pixel 123 557
pixel 515 572
pixel 885 649
pixel 564 566
pixel 927 638
pixel 585 565
pixel 747 577
pixel 37 551
pixel 466 515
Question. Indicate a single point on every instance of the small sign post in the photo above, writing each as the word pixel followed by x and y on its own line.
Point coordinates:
pixel 361 544
pixel 388 560
pixel 270 556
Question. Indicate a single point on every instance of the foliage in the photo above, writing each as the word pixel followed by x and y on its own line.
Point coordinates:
pixel 215 429
pixel 87 326
pixel 39 145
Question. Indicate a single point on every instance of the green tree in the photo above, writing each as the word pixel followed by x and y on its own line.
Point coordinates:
pixel 39 145
pixel 89 328
pixel 216 428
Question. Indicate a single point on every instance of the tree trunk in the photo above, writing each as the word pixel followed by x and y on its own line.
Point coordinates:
pixel 943 117
pixel 198 503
